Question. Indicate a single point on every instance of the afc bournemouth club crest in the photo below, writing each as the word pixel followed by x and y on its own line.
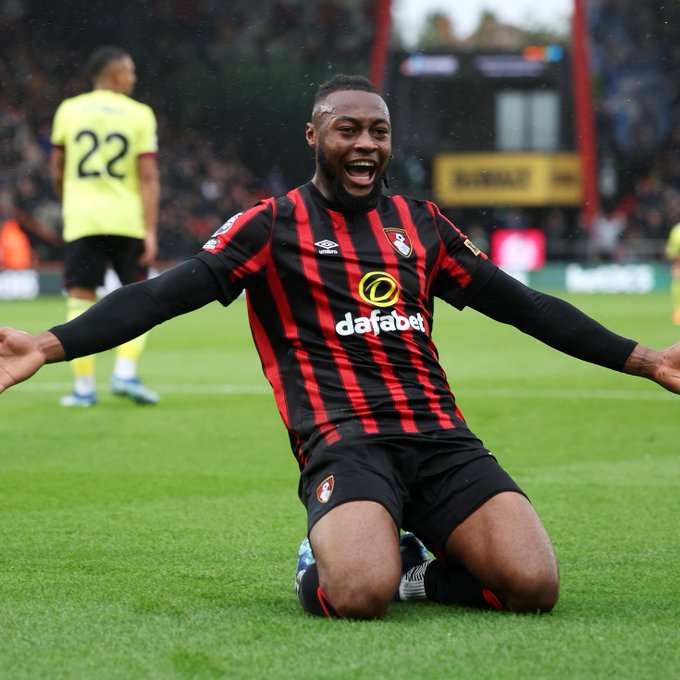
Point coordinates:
pixel 399 240
pixel 325 490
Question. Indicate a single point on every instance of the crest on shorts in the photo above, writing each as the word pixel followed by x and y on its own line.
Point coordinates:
pixel 399 240
pixel 325 489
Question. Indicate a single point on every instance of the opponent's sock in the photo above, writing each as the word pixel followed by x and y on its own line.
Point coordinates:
pixel 127 356
pixel 312 597
pixel 83 368
pixel 437 582
pixel 83 384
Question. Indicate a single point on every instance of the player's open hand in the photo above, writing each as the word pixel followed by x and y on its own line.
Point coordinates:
pixel 661 367
pixel 668 372
pixel 20 357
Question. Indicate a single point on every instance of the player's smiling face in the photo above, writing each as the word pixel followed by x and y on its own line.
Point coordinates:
pixel 351 135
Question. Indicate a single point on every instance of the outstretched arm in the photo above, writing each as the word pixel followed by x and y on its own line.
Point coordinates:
pixel 564 327
pixel 120 316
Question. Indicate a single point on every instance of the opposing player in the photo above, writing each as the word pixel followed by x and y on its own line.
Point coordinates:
pixel 340 283
pixel 103 166
pixel 673 255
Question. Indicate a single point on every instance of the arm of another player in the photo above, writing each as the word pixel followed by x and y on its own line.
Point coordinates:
pixel 150 189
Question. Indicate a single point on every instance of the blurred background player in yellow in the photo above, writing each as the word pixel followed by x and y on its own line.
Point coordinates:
pixel 673 254
pixel 104 170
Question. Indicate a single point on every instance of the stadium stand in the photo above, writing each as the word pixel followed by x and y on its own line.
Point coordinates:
pixel 635 57
pixel 204 176
pixel 221 122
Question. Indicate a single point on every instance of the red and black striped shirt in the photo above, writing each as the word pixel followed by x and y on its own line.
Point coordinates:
pixel 341 308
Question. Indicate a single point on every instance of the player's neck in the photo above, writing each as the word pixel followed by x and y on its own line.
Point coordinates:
pixel 106 86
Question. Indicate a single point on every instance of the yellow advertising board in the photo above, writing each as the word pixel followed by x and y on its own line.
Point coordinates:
pixel 517 179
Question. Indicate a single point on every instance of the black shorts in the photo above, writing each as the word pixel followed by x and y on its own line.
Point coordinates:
pixel 86 260
pixel 429 483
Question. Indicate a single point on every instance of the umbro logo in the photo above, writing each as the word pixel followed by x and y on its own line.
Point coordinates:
pixel 327 247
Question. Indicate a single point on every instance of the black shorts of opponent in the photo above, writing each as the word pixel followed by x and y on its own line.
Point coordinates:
pixel 429 483
pixel 86 260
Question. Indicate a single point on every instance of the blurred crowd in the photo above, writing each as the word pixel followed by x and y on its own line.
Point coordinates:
pixel 208 175
pixel 635 55
pixel 205 173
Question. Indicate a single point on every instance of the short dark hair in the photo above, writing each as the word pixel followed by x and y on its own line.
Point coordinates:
pixel 342 83
pixel 102 57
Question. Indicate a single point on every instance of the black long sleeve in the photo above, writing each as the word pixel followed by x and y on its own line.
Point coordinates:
pixel 552 321
pixel 132 310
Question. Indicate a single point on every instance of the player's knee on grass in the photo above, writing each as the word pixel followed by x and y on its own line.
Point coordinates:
pixel 356 547
pixel 534 589
pixel 362 593
pixel 352 600
pixel 363 589
pixel 362 603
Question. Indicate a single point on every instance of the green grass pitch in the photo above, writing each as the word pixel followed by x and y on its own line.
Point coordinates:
pixel 160 542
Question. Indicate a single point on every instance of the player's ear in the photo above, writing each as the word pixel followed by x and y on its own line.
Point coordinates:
pixel 310 135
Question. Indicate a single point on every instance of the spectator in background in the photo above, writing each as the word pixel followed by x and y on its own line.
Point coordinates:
pixel 607 229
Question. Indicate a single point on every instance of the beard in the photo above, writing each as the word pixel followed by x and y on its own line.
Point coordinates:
pixel 348 202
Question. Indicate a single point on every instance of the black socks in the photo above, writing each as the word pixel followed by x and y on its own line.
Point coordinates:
pixel 312 597
pixel 455 585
